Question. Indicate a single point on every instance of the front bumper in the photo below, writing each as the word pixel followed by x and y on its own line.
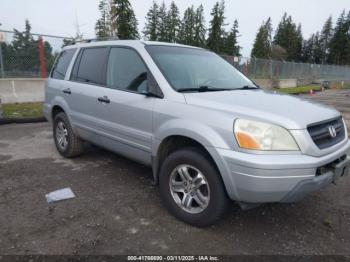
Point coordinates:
pixel 254 178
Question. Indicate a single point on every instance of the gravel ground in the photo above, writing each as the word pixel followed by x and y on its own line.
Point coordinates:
pixel 117 210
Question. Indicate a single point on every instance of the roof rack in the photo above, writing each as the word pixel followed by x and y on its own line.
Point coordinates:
pixel 108 38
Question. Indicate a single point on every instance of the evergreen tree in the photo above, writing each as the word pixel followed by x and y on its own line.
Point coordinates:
pixel 317 52
pixel 312 50
pixel 289 37
pixel 8 55
pixel 162 23
pixel 103 24
pixel 173 23
pixel 187 32
pixel 123 20
pixel 216 29
pixel 339 44
pixel 199 27
pixel 307 50
pixel 151 27
pixel 347 49
pixel 298 43
pixel 24 52
pixel 263 41
pixel 325 38
pixel 231 42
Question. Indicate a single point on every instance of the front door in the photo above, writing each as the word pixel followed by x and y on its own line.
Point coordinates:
pixel 126 114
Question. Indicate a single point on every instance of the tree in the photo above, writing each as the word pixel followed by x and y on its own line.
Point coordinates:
pixel 312 49
pixel 289 37
pixel 162 23
pixel 231 42
pixel 23 55
pixel 187 32
pixel 103 24
pixel 325 38
pixel 216 29
pixel 317 52
pixel 151 27
pixel 340 43
pixel 25 50
pixel 173 23
pixel 199 27
pixel 278 52
pixel 123 20
pixel 263 41
pixel 347 49
pixel 298 43
pixel 307 49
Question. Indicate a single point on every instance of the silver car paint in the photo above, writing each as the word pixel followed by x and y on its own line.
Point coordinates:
pixel 135 126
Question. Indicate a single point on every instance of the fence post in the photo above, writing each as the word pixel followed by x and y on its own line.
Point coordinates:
pixel 254 58
pixel 1 62
pixel 42 57
pixel 271 69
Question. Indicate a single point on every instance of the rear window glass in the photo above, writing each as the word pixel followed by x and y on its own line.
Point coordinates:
pixel 60 69
pixel 92 66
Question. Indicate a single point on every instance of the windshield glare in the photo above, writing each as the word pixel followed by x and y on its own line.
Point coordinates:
pixel 190 68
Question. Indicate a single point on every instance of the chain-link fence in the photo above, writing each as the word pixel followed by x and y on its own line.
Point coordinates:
pixel 32 55
pixel 271 69
pixel 24 55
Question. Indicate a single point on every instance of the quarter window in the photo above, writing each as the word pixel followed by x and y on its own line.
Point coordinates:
pixel 60 69
pixel 126 70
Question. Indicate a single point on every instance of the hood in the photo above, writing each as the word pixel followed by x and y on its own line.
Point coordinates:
pixel 291 112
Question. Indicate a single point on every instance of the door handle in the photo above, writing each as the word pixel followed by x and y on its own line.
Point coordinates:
pixel 67 91
pixel 104 99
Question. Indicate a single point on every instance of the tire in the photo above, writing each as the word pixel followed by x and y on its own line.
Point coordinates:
pixel 216 199
pixel 73 145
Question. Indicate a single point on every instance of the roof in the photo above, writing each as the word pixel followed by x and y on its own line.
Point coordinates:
pixel 132 43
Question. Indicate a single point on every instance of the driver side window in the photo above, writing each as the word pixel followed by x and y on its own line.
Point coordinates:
pixel 126 70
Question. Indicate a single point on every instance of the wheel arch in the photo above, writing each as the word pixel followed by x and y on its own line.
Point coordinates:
pixel 172 143
pixel 56 110
pixel 58 104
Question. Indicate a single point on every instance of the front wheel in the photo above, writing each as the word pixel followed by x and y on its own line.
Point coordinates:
pixel 191 188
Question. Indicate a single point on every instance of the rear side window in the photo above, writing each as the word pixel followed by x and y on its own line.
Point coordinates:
pixel 92 66
pixel 60 69
pixel 126 70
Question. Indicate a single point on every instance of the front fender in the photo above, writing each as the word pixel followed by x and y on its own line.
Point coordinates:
pixel 203 134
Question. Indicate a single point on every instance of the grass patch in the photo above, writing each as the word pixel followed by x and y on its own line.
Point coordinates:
pixel 25 110
pixel 306 89
pixel 339 85
pixel 299 89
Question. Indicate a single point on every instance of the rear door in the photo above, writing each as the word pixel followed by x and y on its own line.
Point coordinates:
pixel 88 79
pixel 57 86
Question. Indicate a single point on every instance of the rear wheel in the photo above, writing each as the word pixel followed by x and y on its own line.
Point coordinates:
pixel 191 188
pixel 67 143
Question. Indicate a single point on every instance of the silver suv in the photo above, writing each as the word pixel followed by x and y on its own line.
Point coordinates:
pixel 208 132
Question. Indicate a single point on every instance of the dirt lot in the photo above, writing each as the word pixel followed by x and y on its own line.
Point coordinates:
pixel 117 209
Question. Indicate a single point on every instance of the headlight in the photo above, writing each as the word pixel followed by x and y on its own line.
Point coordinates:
pixel 262 136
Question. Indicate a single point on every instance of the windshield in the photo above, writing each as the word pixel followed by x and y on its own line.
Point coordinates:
pixel 190 69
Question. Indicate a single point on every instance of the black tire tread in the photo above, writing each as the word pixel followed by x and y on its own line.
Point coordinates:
pixel 215 211
pixel 75 144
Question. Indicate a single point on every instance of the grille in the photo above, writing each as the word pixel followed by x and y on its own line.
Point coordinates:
pixel 321 135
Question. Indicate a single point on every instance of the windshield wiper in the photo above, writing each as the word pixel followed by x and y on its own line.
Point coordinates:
pixel 202 89
pixel 247 88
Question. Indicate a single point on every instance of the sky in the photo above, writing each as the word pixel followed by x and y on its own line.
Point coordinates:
pixel 60 17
